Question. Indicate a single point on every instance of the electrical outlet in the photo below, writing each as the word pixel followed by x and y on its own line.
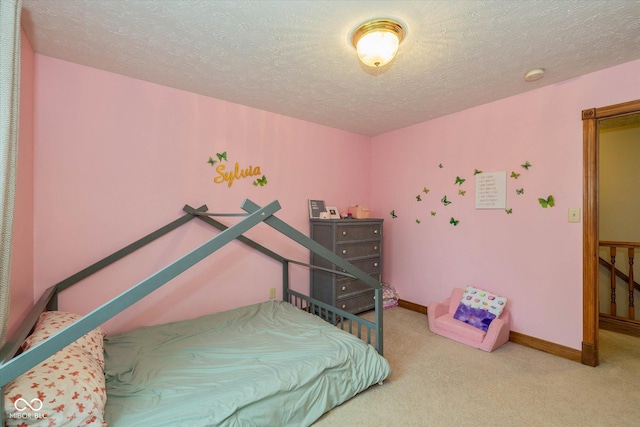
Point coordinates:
pixel 272 293
pixel 574 214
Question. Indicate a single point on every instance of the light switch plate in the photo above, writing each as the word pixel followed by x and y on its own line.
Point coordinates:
pixel 574 214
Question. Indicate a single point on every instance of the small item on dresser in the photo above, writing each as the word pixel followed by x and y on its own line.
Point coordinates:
pixel 333 212
pixel 360 212
pixel 324 215
pixel 315 208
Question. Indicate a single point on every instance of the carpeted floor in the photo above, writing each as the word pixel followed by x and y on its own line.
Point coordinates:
pixel 438 382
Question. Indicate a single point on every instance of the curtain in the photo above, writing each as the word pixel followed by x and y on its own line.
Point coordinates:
pixel 9 111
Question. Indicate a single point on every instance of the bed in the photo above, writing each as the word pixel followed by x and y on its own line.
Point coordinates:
pixel 274 363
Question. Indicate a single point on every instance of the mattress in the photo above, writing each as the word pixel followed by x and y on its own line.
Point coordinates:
pixel 268 364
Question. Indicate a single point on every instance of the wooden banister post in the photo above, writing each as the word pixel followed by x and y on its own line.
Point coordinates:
pixel 632 310
pixel 612 253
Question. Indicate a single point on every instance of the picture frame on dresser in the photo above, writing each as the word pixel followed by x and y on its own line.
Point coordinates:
pixel 315 208
pixel 333 212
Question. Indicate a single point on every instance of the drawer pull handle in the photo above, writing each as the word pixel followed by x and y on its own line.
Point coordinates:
pixel 375 231
pixel 344 306
pixel 375 264
pixel 344 288
pixel 375 248
pixel 344 233
pixel 344 252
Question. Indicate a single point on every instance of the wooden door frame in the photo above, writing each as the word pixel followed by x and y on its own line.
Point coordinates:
pixel 590 297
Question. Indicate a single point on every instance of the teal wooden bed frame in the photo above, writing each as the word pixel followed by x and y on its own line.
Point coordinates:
pixel 13 363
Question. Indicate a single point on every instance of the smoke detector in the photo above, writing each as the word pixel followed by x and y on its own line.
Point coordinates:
pixel 533 75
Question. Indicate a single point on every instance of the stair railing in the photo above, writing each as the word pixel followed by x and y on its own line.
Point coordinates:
pixel 632 285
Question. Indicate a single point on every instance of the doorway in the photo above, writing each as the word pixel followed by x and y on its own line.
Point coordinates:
pixel 591 121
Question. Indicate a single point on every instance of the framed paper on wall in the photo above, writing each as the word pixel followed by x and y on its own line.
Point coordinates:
pixel 491 190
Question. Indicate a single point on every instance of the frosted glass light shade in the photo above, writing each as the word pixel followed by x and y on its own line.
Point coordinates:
pixel 377 48
pixel 377 41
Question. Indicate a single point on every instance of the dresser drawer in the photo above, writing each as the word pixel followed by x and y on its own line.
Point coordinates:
pixel 350 287
pixel 368 265
pixel 351 232
pixel 357 304
pixel 356 250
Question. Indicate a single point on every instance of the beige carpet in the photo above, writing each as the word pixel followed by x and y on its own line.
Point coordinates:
pixel 438 382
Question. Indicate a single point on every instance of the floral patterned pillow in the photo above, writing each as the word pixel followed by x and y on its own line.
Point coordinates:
pixel 68 388
pixel 51 322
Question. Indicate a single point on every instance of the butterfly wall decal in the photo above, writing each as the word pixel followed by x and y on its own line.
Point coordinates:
pixel 514 175
pixel 445 201
pixel 462 192
pixel 459 180
pixel 526 165
pixel 433 213
pixel 519 191
pixel 509 211
pixel 440 166
pixel 476 171
pixel 454 221
pixel 211 161
pixel 393 214
pixel 418 198
pixel 425 190
pixel 548 202
pixel 418 221
pixel 222 156
pixel 260 181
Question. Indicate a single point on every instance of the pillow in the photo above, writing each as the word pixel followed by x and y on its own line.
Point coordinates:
pixel 478 308
pixel 477 298
pixel 68 388
pixel 51 322
pixel 476 317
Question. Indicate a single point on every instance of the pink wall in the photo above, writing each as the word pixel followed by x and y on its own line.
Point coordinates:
pixel 533 256
pixel 22 249
pixel 116 158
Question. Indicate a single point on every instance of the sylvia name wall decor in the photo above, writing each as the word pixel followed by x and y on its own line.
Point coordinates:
pixel 237 172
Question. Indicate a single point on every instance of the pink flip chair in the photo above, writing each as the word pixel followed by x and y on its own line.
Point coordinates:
pixel 441 322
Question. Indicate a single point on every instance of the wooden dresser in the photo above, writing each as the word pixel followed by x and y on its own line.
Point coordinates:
pixel 358 241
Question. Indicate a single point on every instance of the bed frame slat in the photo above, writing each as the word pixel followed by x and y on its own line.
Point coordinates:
pixel 83 274
pixel 12 346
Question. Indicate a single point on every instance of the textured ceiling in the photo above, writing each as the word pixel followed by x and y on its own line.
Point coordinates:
pixel 294 57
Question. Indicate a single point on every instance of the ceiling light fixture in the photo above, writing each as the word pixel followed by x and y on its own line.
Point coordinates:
pixel 377 41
